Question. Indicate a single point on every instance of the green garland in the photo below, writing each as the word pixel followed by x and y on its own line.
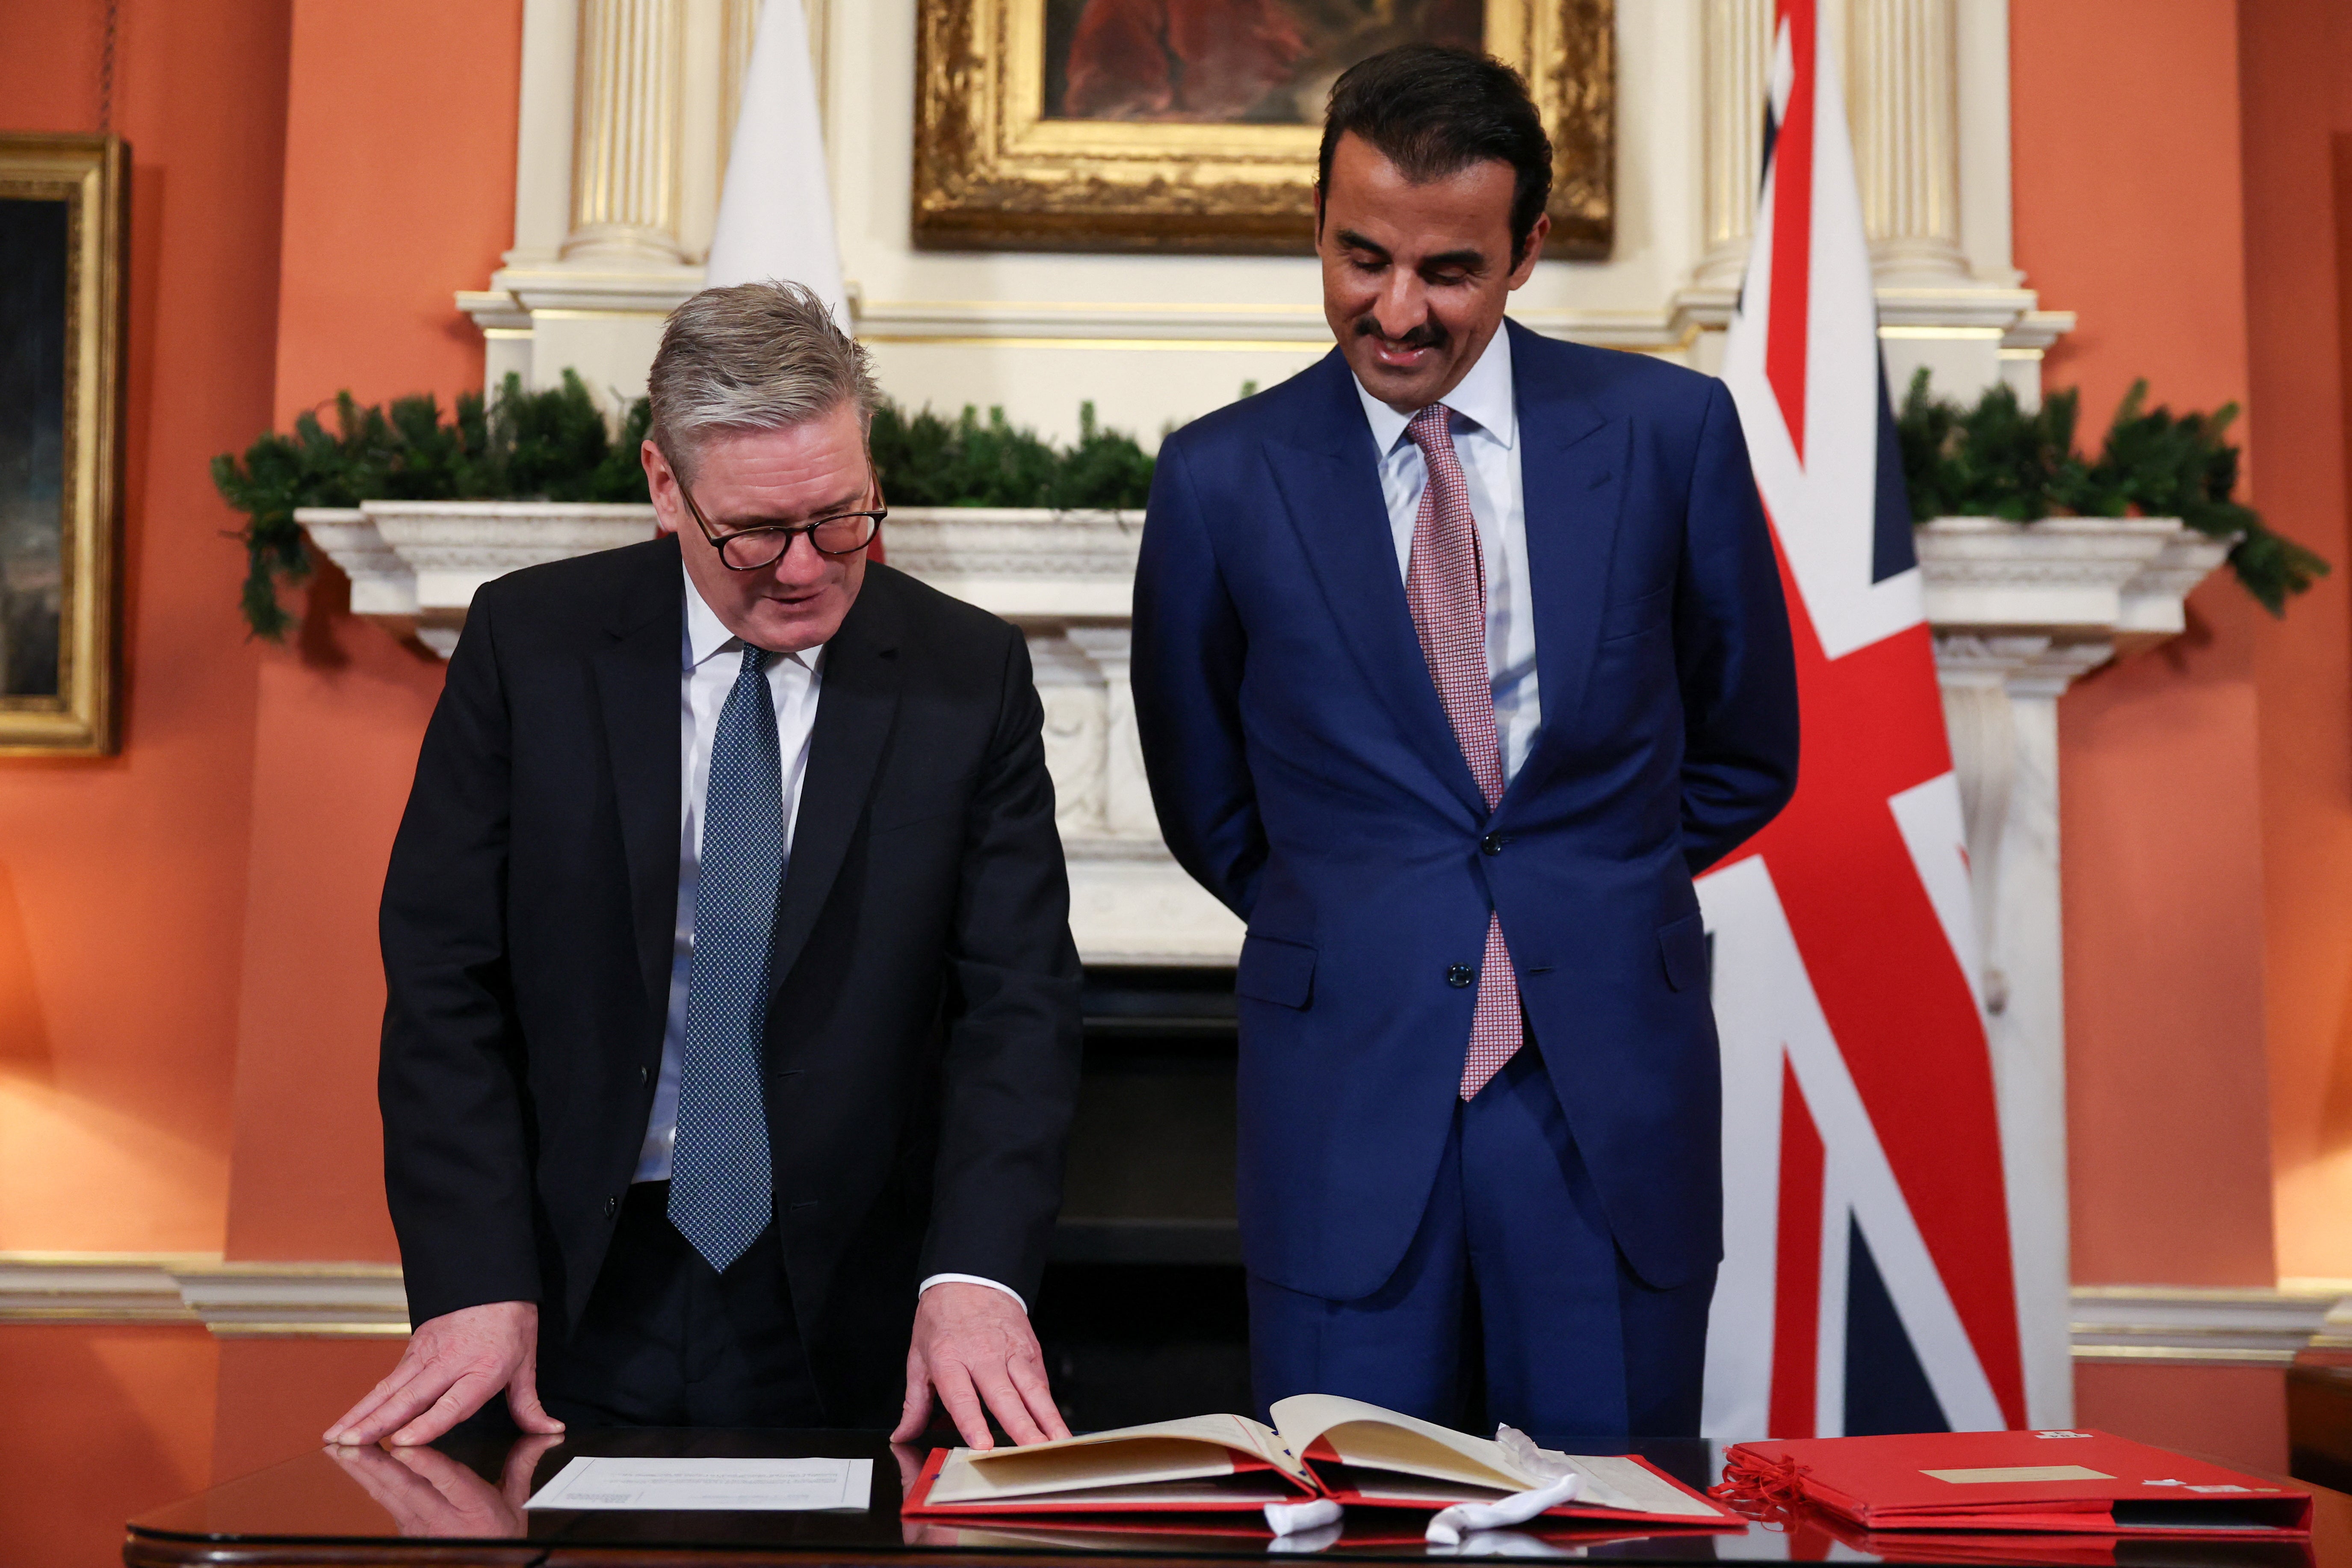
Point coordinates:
pixel 551 445
pixel 1997 460
pixel 555 446
pixel 923 461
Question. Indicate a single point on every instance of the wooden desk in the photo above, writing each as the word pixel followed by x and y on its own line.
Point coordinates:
pixel 461 1502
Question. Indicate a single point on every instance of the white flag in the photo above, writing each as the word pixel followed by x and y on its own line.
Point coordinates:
pixel 775 211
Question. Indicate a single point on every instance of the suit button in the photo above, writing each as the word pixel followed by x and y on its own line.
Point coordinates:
pixel 1460 976
pixel 1493 843
pixel 612 1208
pixel 643 1075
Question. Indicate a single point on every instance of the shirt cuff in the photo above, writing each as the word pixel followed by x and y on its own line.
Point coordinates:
pixel 970 1279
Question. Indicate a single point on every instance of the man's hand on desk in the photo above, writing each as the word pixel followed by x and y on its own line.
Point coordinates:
pixel 973 1344
pixel 454 1365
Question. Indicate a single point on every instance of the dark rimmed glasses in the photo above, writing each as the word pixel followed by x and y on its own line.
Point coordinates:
pixel 753 548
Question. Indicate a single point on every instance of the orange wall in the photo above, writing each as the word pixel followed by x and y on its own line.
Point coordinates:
pixel 2234 1414
pixel 400 126
pixel 199 912
pixel 2297 71
pixel 388 210
pixel 2132 220
pixel 2207 787
pixel 122 881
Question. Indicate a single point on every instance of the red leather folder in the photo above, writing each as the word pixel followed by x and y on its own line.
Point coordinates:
pixel 2081 1482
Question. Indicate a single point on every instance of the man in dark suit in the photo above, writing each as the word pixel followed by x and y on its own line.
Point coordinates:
pixel 733 1031
pixel 1456 658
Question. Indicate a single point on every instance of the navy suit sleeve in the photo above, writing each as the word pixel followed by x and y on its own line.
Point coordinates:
pixel 457 1171
pixel 1189 655
pixel 1732 650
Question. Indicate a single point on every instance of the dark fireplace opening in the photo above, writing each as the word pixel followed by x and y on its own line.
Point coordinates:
pixel 1142 1315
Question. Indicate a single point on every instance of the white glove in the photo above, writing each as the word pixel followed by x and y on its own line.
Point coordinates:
pixel 1452 1523
pixel 1295 1518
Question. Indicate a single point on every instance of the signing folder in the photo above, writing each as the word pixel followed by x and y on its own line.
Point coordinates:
pixel 1321 1446
pixel 2085 1482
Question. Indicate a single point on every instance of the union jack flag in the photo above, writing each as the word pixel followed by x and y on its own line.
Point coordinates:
pixel 1867 1284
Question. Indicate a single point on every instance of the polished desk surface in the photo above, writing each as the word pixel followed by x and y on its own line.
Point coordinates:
pixel 461 1501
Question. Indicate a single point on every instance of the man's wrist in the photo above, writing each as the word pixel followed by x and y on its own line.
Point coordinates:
pixel 971 1279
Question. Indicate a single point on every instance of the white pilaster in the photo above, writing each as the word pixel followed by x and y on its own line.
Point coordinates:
pixel 1734 58
pixel 625 133
pixel 1901 92
pixel 2019 612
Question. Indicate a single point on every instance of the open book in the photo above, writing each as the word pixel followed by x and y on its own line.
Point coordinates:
pixel 1320 1445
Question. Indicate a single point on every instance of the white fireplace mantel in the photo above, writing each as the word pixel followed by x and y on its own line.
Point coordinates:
pixel 2018 611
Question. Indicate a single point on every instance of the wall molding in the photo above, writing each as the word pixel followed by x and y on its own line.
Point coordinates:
pixel 233 1300
pixel 2209 1327
pixel 2178 1325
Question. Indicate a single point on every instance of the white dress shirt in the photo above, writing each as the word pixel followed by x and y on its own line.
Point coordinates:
pixel 1484 423
pixel 708 665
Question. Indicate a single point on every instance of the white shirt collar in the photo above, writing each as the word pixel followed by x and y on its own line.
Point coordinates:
pixel 1484 397
pixel 706 635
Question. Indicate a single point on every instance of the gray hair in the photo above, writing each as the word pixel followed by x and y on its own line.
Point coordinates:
pixel 757 356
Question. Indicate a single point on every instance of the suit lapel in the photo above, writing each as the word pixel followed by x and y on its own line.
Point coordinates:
pixel 1330 483
pixel 857 703
pixel 638 676
pixel 1572 482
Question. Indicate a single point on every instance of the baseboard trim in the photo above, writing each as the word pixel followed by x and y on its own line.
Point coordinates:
pixel 233 1300
pixel 2187 1325
pixel 2128 1324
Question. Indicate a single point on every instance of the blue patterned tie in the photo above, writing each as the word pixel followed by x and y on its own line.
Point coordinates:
pixel 721 1190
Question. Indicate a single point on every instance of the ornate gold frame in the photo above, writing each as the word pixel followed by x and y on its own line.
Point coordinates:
pixel 93 175
pixel 992 174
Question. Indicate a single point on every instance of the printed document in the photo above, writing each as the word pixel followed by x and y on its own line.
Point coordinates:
pixel 732 1485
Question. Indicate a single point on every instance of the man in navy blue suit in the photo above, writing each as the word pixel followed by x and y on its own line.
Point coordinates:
pixel 1456 657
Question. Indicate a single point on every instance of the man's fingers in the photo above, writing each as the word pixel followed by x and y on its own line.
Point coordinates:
pixel 954 1384
pixel 461 1399
pixel 393 1382
pixel 1029 1377
pixel 399 1406
pixel 916 1414
pixel 1012 1412
pixel 522 1399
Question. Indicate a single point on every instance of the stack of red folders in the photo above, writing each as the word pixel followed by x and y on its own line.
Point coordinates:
pixel 2085 1482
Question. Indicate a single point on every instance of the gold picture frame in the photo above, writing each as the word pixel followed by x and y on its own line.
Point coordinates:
pixel 64 248
pixel 994 172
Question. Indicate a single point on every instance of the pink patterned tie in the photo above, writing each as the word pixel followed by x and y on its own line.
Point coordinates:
pixel 1446 586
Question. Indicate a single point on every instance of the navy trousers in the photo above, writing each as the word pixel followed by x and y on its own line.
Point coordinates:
pixel 668 1342
pixel 1513 1279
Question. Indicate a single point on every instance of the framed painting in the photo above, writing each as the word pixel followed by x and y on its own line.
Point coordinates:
pixel 64 210
pixel 1191 125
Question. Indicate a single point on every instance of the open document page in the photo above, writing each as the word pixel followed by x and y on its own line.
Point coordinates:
pixel 1115 1468
pixel 1371 1449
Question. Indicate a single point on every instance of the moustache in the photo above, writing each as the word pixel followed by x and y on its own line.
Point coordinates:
pixel 1428 335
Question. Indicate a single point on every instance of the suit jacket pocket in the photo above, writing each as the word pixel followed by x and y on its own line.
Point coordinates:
pixel 1272 970
pixel 1633 616
pixel 1683 946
